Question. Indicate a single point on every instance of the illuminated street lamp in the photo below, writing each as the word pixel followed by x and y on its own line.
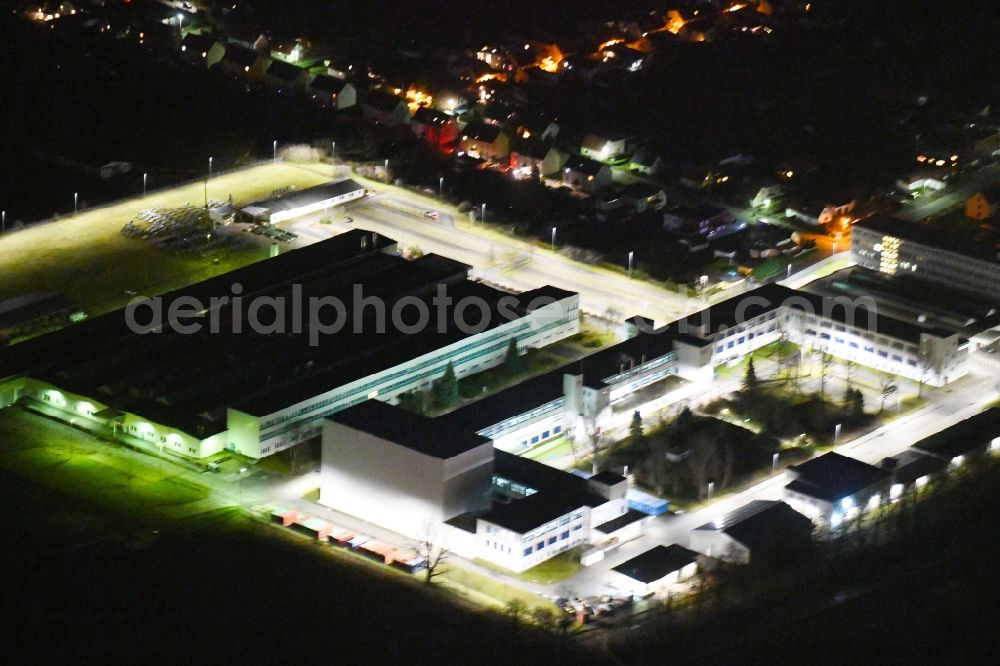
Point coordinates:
pixel 3 221
pixel 385 171
pixel 631 255
pixel 553 239
pixel 774 463
pixel 210 167
pixel 274 148
pixel 333 152
pixel 180 21
pixel 76 202
pixel 145 176
pixel 482 216
pixel 441 187
pixel 242 472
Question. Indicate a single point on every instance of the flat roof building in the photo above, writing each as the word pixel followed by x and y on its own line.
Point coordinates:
pixel 898 248
pixel 656 570
pixel 258 390
pixel 402 471
pixel 833 488
pixel 303 202
pixel 761 529
pixel 971 438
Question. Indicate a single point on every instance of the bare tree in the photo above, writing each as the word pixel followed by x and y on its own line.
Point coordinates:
pixel 825 361
pixel 926 366
pixel 887 387
pixel 594 435
pixel 850 367
pixel 434 553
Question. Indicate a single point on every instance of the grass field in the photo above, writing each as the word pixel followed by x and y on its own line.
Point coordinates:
pixel 87 258
pixel 58 457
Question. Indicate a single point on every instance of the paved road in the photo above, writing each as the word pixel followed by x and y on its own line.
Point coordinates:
pixel 953 196
pixel 964 399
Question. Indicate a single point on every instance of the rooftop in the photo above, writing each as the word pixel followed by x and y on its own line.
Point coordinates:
pixel 480 131
pixel 935 238
pixel 190 381
pixel 556 493
pixel 414 431
pixel 760 523
pixel 309 196
pixel 511 401
pixel 656 563
pixel 832 477
pixel 964 437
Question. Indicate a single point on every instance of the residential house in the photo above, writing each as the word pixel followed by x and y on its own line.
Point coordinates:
pixel 195 49
pixel 768 195
pixel 586 174
pixel 983 205
pixel 285 77
pixel 433 126
pixel 239 62
pixel 762 530
pixel 620 56
pixel 332 92
pixel 603 148
pixel 706 221
pixel 484 141
pixel 531 155
pixel 641 197
pixel 647 162
pixel 385 109
pixel 924 179
pixel 832 489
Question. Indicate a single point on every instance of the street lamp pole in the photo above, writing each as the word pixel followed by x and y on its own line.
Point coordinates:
pixel 210 167
pixel 145 176
pixel 631 255
pixel 3 222
pixel 274 149
pixel 553 239
pixel 76 203
pixel 242 471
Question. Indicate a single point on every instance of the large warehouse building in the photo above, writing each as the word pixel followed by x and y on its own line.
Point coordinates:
pixel 303 202
pixel 227 387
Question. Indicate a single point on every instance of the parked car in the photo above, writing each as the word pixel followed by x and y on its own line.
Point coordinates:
pixel 431 214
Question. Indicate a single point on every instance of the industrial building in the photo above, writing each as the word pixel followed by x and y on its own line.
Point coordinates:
pixel 656 570
pixel 303 202
pixel 894 247
pixel 421 477
pixel 259 392
pixel 760 530
pixel 568 400
pixel 402 471
pixel 832 489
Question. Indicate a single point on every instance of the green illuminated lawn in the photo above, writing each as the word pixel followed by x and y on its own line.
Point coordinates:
pixel 87 258
pixel 64 460
pixel 485 590
pixel 554 449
